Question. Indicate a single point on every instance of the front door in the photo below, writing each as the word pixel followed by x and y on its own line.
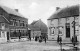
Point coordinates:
pixel 7 35
pixel 67 30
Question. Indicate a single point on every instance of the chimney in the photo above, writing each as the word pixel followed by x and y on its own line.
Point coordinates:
pixel 57 8
pixel 16 10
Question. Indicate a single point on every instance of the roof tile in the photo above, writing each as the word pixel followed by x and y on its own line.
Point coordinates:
pixel 66 12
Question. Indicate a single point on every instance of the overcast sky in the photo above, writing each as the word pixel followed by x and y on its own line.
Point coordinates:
pixel 37 9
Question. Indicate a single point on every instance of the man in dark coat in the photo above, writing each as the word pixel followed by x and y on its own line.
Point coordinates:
pixel 58 38
pixel 19 35
pixel 35 38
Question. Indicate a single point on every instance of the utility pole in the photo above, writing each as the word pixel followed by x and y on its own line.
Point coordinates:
pixel 74 32
pixel 75 38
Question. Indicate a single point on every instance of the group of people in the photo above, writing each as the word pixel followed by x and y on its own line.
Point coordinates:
pixel 40 38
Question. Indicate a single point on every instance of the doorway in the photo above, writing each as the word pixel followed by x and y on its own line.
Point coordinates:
pixel 67 30
pixel 7 35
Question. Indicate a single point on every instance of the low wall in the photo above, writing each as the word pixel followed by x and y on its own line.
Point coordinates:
pixel 16 39
pixel 3 40
pixel 51 38
pixel 24 38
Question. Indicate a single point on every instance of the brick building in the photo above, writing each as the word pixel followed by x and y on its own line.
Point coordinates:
pixel 11 23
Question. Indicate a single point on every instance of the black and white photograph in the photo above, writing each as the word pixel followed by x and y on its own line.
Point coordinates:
pixel 39 25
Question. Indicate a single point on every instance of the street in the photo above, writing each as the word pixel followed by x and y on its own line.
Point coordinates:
pixel 31 46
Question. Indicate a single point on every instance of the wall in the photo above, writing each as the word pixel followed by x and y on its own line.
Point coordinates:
pixel 52 24
pixel 79 29
pixel 70 20
pixel 3 37
pixel 17 27
pixel 3 32
pixel 61 22
pixel 79 25
pixel 35 33
pixel 49 24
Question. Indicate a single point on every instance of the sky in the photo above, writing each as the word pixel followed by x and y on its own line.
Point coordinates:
pixel 37 9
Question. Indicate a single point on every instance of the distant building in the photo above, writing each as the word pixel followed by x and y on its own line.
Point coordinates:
pixel 11 21
pixel 38 28
pixel 62 23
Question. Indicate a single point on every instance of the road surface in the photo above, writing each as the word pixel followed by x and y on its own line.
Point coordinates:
pixel 30 46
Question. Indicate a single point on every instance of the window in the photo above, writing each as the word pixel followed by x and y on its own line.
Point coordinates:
pixel 16 23
pixel 21 24
pixel 52 31
pixel 11 22
pixel 17 30
pixel 77 26
pixel 3 25
pixel 2 33
pixel 60 30
pixel 77 30
pixel 26 25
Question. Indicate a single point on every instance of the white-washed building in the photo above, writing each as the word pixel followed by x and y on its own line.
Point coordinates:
pixel 62 23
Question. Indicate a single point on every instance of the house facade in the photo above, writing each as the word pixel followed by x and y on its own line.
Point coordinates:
pixel 62 23
pixel 18 27
pixel 4 28
pixel 11 24
pixel 38 28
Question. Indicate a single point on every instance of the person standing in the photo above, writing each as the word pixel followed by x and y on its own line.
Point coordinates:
pixel 40 39
pixel 45 39
pixel 35 38
pixel 19 35
pixel 58 39
pixel 29 33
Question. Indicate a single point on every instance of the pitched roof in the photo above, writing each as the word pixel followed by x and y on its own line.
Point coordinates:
pixel 33 22
pixel 39 26
pixel 10 11
pixel 32 27
pixel 66 12
pixel 13 12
